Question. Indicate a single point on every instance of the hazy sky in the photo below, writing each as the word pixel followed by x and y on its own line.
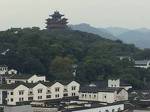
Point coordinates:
pixel 99 13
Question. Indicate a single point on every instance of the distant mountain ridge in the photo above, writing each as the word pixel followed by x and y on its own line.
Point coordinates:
pixel 90 29
pixel 140 37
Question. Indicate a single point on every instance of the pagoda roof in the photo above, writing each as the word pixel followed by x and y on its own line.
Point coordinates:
pixel 56 14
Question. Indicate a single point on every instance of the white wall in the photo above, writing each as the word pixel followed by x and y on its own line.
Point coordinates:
pixel 3 70
pixel 36 78
pixel 10 81
pixel 114 83
pixel 122 95
pixel 12 71
pixel 112 108
pixel 108 97
pixel 32 79
pixel 1 100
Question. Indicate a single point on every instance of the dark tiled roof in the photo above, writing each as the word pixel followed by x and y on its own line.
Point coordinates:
pixel 14 85
pixel 9 86
pixel 21 76
pixel 48 84
pixel 89 89
pixel 65 82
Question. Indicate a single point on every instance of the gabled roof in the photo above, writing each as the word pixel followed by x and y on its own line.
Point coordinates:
pixel 48 84
pixel 14 85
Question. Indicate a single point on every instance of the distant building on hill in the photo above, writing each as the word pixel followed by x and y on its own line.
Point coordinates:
pixel 142 63
pixel 56 21
pixel 5 72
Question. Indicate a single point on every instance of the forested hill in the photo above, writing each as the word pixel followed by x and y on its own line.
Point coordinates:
pixel 53 53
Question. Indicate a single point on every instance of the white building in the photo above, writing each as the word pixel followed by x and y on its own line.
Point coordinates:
pixel 118 84
pixel 142 64
pixel 71 88
pixel 108 95
pixel 5 73
pixel 20 92
pixel 109 92
pixel 25 78
pixel 114 83
pixel 3 69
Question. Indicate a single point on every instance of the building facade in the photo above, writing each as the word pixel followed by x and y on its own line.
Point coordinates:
pixel 25 78
pixel 109 95
pixel 21 92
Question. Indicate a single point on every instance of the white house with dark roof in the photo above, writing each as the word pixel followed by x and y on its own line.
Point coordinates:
pixel 142 64
pixel 111 91
pixel 71 88
pixel 25 78
pixel 108 95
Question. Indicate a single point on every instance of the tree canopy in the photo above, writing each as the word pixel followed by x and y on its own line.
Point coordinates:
pixel 53 53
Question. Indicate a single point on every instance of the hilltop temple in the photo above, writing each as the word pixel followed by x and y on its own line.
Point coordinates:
pixel 56 21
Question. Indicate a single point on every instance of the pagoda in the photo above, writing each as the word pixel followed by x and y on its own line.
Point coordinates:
pixel 56 21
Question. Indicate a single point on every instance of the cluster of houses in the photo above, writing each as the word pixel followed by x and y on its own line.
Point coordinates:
pixel 22 88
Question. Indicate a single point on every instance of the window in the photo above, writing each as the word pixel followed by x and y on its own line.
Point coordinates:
pixel 30 93
pixel 9 81
pixel 39 90
pixel 113 110
pixel 48 96
pixel 73 87
pixel 73 94
pixel 89 96
pixel 85 95
pixel 48 91
pixel 11 99
pixel 11 93
pixel 119 109
pixel 82 95
pixel 39 97
pixel 57 89
pixel 94 96
pixel 57 96
pixel 65 95
pixel 106 111
pixel 21 92
pixel 21 99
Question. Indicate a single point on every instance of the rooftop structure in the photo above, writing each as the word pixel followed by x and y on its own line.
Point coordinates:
pixel 56 21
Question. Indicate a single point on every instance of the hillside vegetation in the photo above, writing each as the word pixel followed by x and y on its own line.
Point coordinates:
pixel 54 54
